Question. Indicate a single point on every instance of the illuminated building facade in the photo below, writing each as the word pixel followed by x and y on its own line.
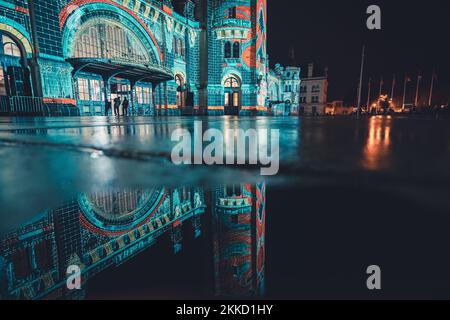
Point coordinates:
pixel 284 90
pixel 102 230
pixel 239 220
pixel 169 58
pixel 93 232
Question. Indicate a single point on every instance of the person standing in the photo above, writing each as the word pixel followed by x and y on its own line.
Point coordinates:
pixel 107 108
pixel 117 103
pixel 125 105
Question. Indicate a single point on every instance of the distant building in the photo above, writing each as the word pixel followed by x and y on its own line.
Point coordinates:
pixel 314 92
pixel 338 108
pixel 284 90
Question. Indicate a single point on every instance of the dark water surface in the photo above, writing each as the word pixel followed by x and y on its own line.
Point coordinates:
pixel 349 194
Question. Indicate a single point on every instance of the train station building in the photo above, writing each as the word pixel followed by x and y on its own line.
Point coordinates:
pixel 166 57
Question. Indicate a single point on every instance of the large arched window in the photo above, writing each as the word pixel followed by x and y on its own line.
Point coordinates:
pixel 227 50
pixel 232 82
pixel 10 48
pixel 14 80
pixel 236 50
pixel 175 46
pixel 181 47
pixel 106 39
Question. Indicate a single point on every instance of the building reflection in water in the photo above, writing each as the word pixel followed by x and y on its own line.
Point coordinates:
pixel 239 240
pixel 378 145
pixel 101 230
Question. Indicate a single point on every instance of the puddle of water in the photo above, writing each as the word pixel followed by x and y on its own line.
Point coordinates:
pixel 104 193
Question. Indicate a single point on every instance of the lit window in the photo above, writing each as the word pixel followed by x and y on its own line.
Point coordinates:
pixel 181 50
pixel 2 83
pixel 232 83
pixel 83 89
pixel 10 48
pixel 138 95
pixel 235 99
pixel 108 40
pixel 147 94
pixel 96 90
pixel 175 46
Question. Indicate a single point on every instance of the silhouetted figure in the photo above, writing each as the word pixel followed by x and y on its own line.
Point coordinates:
pixel 107 108
pixel 125 105
pixel 117 103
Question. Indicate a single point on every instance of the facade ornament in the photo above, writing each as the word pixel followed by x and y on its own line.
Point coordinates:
pixel 169 24
pixel 189 9
pixel 192 37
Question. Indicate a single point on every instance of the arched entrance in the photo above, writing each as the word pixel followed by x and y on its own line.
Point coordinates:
pixel 181 91
pixel 14 74
pixel 115 55
pixel 107 40
pixel 232 90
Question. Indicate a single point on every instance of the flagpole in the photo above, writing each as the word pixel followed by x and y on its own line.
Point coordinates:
pixel 379 93
pixel 381 86
pixel 393 88
pixel 431 89
pixel 419 78
pixel 368 96
pixel 404 92
pixel 361 81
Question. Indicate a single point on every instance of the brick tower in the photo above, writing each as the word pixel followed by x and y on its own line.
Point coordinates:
pixel 236 58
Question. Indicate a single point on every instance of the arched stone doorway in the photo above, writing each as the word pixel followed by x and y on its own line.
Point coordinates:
pixel 232 91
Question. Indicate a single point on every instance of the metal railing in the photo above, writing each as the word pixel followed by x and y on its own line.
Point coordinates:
pixel 34 106
pixel 4 104
pixel 28 105
pixel 17 105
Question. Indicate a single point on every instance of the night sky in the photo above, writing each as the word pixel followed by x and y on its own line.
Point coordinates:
pixel 414 37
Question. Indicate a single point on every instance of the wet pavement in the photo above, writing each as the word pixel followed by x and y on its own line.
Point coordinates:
pixel 349 193
pixel 46 160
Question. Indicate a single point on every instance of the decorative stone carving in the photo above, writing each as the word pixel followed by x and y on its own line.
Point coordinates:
pixel 169 23
pixel 192 37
